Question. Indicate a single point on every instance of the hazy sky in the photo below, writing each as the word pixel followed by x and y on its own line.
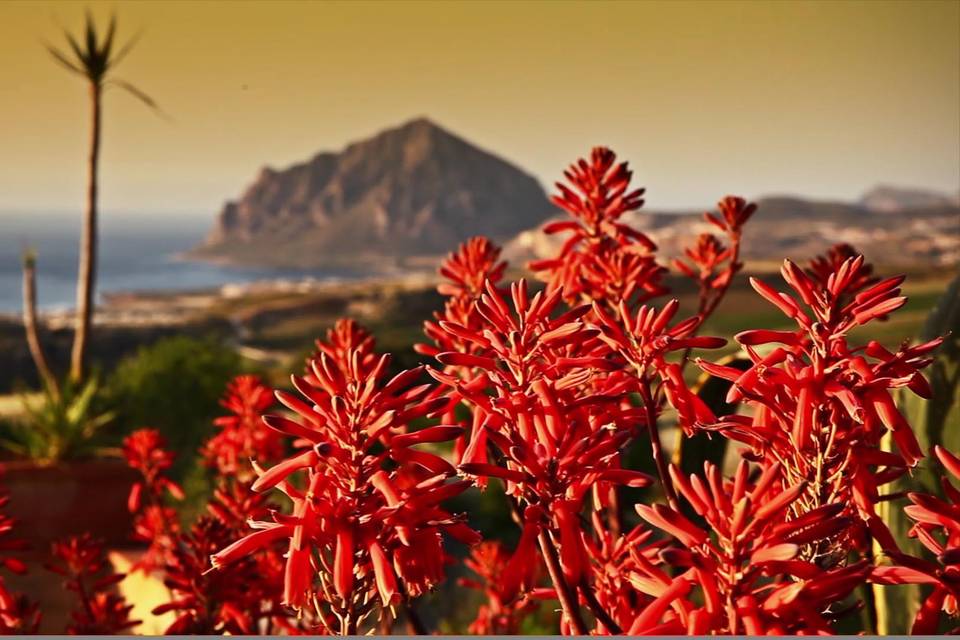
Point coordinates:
pixel 821 98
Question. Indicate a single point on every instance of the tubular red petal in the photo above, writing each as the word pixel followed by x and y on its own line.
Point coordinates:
pixel 571 543
pixel 383 572
pixel 492 470
pixel 654 611
pixel 439 433
pixel 673 523
pixel 453 358
pixel 277 473
pixel 291 428
pixel 949 461
pixel 248 544
pixel 133 500
pixel 766 336
pixel 343 563
pixel 626 477
pixel 776 553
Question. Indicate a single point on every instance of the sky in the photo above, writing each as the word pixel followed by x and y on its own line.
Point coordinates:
pixel 821 99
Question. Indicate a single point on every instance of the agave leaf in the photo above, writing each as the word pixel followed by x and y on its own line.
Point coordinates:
pixel 78 409
pixel 57 426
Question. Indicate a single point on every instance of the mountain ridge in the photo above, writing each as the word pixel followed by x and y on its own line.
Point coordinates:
pixel 400 199
pixel 407 192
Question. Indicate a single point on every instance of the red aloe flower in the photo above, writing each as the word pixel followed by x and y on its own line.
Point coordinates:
pixel 603 259
pixel 18 614
pixel 821 267
pixel 506 606
pixel 821 406
pixel 468 268
pixel 554 438
pixel 622 564
pixel 643 341
pixel 248 600
pixel 10 545
pixel 937 526
pixel 475 262
pixel 242 436
pixel 711 263
pixel 81 561
pixel 154 522
pixel 365 531
pixel 234 504
pixel 747 567
pixel 345 339
pixel 215 603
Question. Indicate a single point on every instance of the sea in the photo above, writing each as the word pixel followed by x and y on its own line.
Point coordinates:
pixel 138 252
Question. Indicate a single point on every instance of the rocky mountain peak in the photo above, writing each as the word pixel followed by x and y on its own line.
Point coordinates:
pixel 411 191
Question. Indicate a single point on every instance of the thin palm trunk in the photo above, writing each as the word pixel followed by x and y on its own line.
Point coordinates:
pixel 30 326
pixel 87 268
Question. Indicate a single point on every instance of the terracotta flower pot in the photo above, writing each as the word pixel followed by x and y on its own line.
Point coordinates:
pixel 69 498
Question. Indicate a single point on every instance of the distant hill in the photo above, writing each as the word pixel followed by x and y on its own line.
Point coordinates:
pixel 403 198
pixel 920 232
pixel 406 193
pixel 887 199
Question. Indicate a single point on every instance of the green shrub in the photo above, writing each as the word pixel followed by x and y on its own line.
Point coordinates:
pixel 174 385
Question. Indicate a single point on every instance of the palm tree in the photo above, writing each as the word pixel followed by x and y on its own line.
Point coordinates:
pixel 93 59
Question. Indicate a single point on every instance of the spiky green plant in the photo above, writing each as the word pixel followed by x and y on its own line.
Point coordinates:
pixel 93 58
pixel 58 426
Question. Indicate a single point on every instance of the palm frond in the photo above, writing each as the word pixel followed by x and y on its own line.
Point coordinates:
pixel 92 57
pixel 107 45
pixel 91 33
pixel 125 49
pixel 139 95
pixel 77 50
pixel 63 60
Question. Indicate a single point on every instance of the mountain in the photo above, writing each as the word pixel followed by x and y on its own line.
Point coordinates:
pixel 887 199
pixel 921 233
pixel 408 193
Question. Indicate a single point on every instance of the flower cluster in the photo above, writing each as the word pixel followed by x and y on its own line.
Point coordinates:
pixel 711 263
pixel 747 565
pixel 155 521
pixel 937 527
pixel 18 614
pixel 821 405
pixel 822 267
pixel 366 527
pixel 247 601
pixel 603 258
pixel 468 270
pixel 242 436
pixel 87 574
pixel 506 585
pixel 548 392
pixel 213 603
